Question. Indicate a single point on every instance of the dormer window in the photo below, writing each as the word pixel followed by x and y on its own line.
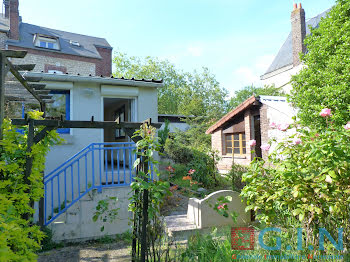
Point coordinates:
pixel 48 42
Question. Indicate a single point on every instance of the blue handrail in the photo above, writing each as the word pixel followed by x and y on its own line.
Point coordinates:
pixel 82 173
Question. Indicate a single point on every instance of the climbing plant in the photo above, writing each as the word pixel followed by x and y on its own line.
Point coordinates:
pixel 19 238
pixel 148 195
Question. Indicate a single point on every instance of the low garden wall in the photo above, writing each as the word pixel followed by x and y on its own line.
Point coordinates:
pixel 202 214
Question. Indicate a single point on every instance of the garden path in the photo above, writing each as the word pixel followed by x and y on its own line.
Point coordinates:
pixel 113 252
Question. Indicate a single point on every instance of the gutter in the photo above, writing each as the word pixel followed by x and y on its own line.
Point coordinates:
pixel 95 79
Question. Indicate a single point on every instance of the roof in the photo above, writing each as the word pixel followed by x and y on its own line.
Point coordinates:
pixel 284 57
pixel 246 104
pixel 4 23
pixel 97 79
pixel 87 46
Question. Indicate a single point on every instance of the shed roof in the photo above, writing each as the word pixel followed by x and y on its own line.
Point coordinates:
pixel 246 104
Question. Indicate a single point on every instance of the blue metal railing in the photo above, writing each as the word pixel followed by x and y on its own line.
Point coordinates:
pixel 97 166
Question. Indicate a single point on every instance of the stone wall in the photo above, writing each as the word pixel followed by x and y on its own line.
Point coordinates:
pixel 43 63
pixel 3 38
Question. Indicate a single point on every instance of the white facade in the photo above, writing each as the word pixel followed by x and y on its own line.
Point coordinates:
pixel 281 78
pixel 87 100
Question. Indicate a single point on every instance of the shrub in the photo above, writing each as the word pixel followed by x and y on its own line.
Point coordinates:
pixel 235 175
pixel 164 134
pixel 19 239
pixel 178 152
pixel 307 180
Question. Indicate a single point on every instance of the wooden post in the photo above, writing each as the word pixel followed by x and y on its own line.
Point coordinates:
pixel 2 90
pixel 29 160
pixel 144 247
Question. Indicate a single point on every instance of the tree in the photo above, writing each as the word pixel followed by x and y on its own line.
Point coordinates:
pixel 196 93
pixel 325 80
pixel 243 94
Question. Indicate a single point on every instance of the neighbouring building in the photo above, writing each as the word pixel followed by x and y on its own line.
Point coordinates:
pixel 250 120
pixel 287 61
pixel 52 51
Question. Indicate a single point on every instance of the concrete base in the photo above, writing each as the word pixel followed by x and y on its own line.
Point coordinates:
pixel 77 224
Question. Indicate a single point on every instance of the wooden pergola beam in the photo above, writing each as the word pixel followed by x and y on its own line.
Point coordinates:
pixel 81 124
pixel 23 81
pixel 14 53
pixel 37 86
pixel 32 78
pixel 27 67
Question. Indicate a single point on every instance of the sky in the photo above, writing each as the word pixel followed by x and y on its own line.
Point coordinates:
pixel 236 40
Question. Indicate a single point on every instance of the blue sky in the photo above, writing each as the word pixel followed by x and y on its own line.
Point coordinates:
pixel 236 40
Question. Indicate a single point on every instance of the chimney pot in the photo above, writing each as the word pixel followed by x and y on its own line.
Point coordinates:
pixel 300 6
pixel 295 6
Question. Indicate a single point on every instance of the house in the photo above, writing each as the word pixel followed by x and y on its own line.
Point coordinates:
pixel 250 120
pixel 52 51
pixel 77 72
pixel 287 61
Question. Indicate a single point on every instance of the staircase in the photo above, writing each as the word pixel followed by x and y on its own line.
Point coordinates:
pixel 72 190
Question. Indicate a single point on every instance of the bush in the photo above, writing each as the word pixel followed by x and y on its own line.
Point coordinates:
pixel 235 175
pixel 19 239
pixel 178 152
pixel 306 178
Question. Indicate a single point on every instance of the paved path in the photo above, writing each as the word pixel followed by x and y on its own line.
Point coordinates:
pixel 88 253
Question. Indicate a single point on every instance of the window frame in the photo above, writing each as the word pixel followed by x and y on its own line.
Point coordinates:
pixel 67 93
pixel 43 41
pixel 242 144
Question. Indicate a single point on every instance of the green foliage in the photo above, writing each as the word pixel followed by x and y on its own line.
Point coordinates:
pixel 197 93
pixel 325 80
pixel 106 211
pixel 235 175
pixel 243 94
pixel 19 239
pixel 164 133
pixel 308 182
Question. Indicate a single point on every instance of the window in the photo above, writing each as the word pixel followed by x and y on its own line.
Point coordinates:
pixel 48 42
pixel 236 143
pixel 61 106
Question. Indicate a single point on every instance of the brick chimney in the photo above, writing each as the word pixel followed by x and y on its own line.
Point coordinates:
pixel 298 32
pixel 14 19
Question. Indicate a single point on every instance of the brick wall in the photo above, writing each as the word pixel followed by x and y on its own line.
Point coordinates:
pixel 104 66
pixel 264 127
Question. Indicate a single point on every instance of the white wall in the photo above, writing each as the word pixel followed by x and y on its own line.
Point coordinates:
pixel 282 79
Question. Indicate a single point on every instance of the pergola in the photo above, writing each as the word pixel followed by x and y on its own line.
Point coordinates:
pixel 42 95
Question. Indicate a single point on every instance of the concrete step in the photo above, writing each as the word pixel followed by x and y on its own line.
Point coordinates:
pixel 179 227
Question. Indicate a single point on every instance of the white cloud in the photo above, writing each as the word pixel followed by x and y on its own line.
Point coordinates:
pixel 195 50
